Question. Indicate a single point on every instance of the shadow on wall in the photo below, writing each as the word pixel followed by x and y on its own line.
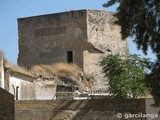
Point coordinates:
pixel 93 109
pixel 84 113
pixel 7 111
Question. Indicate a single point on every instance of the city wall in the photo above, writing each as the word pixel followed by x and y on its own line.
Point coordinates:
pixel 93 109
pixel 6 105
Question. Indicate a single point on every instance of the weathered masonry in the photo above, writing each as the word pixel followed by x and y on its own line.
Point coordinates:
pixel 82 37
pixel 25 85
pixel 7 110
pixel 93 109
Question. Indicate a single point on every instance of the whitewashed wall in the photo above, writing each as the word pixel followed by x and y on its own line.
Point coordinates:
pixel 1 70
pixel 45 90
pixel 31 90
pixel 2 77
pixel 14 82
pixel 25 90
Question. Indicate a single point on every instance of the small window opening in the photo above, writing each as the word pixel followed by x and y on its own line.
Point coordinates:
pixel 70 56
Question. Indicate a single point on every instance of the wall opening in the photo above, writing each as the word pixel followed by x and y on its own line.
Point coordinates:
pixel 17 92
pixel 69 56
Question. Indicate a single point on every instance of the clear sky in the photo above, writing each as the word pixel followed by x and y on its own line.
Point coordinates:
pixel 10 10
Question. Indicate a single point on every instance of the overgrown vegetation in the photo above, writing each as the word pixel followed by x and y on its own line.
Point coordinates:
pixel 126 77
pixel 57 69
pixel 63 70
pixel 70 72
pixel 140 19
pixel 17 69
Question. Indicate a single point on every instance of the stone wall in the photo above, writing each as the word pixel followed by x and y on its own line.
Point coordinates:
pixel 45 89
pixel 6 105
pixel 89 34
pixel 45 39
pixel 94 109
pixel 28 88
pixel 21 86
pixel 105 36
pixel 151 109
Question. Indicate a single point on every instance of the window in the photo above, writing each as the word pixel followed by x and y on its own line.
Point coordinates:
pixel 69 56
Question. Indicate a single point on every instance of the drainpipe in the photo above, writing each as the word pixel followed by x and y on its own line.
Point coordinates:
pixel 17 92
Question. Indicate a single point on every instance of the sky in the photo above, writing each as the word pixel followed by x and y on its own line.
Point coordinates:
pixel 10 10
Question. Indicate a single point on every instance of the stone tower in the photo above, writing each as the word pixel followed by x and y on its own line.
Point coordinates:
pixel 82 37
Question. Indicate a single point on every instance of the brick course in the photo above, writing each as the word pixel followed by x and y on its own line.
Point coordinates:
pixel 78 109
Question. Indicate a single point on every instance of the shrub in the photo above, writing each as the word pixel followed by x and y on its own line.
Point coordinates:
pixel 126 76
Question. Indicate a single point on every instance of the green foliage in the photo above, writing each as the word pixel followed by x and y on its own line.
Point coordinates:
pixel 153 82
pixel 140 19
pixel 126 77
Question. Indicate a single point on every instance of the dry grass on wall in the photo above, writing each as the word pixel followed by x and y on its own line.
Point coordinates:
pixel 17 69
pixel 62 70
pixel 57 69
pixel 88 80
